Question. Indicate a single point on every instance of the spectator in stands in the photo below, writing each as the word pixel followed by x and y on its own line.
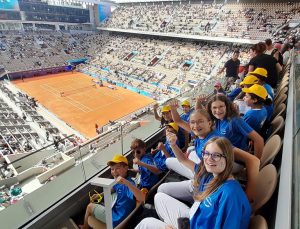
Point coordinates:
pixel 230 125
pixel 201 126
pixel 47 135
pixel 232 69
pixel 235 91
pixel 186 107
pixel 163 150
pixel 166 114
pixel 214 186
pixel 272 51
pixel 145 163
pixel 167 118
pixel 286 53
pixel 24 116
pixel 242 107
pixel 261 60
pixel 218 89
pixel 256 97
pixel 261 74
pixel 126 193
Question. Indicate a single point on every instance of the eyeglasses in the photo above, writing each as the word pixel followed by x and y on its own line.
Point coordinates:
pixel 136 150
pixel 94 200
pixel 214 156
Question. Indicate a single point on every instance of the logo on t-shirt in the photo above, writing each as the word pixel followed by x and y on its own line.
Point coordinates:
pixel 207 202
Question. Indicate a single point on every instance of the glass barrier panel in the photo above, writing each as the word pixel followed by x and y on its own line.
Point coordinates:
pixel 296 152
pixel 31 182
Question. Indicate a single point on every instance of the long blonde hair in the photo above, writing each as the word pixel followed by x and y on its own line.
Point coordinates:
pixel 226 147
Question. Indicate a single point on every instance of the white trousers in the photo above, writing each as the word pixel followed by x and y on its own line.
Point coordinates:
pixel 182 190
pixel 168 209
pixel 175 165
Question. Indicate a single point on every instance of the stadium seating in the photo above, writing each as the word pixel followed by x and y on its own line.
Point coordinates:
pixel 235 20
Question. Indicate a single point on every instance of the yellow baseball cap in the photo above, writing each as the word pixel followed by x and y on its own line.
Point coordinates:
pixel 258 90
pixel 173 125
pixel 249 79
pixel 118 159
pixel 165 108
pixel 186 103
pixel 259 72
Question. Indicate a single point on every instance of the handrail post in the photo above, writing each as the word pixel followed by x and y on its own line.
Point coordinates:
pixel 107 185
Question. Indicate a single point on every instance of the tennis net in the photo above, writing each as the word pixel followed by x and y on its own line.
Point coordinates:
pixel 77 90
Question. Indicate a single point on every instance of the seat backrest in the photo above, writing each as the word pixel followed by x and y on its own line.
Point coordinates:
pixel 258 222
pixel 271 149
pixel 277 126
pixel 280 99
pixel 279 110
pixel 265 186
pixel 283 84
pixel 283 90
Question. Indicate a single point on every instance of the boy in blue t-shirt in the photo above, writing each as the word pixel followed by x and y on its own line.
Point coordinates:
pixel 149 172
pixel 125 191
pixel 256 97
pixel 262 75
pixel 186 107
pixel 163 150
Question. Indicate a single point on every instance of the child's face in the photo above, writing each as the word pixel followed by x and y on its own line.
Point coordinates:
pixel 119 170
pixel 218 109
pixel 139 152
pixel 248 100
pixel 167 116
pixel 186 109
pixel 200 125
pixel 214 161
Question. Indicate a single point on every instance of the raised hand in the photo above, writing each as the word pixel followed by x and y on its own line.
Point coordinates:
pixel 155 106
pixel 121 180
pixel 173 103
pixel 172 138
pixel 160 146
pixel 136 161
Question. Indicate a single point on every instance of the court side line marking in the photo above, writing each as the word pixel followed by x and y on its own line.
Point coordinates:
pixel 107 104
pixel 80 104
pixel 51 88
pixel 75 101
pixel 59 97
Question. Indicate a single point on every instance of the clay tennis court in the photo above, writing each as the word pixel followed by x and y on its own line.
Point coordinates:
pixel 82 104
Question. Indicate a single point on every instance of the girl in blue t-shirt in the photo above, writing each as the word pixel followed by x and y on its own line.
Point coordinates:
pixel 201 126
pixel 256 98
pixel 230 125
pixel 220 201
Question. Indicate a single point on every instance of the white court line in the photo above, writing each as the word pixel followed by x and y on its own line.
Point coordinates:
pixel 107 104
pixel 80 104
pixel 49 88
pixel 43 86
pixel 74 100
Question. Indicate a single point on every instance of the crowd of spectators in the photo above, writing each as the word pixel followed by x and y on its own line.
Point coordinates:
pixel 146 63
pixel 236 20
pixel 30 50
